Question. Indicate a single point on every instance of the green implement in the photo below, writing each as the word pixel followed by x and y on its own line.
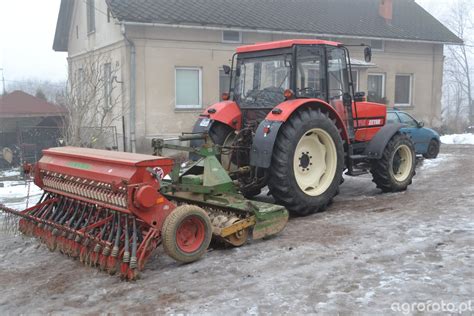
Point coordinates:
pixel 207 184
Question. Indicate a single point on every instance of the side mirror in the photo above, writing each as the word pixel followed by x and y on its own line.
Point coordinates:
pixel 421 124
pixel 226 69
pixel 368 54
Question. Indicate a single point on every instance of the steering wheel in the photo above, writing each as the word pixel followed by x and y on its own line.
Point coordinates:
pixel 309 91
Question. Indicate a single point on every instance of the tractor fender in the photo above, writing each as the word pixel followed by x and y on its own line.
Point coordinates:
pixel 377 144
pixel 267 131
pixel 226 112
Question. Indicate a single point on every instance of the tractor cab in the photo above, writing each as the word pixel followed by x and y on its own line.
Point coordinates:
pixel 265 75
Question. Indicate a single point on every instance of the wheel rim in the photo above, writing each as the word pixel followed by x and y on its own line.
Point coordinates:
pixel 190 234
pixel 402 162
pixel 314 162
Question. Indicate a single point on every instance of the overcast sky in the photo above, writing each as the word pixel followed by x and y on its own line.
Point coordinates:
pixel 27 30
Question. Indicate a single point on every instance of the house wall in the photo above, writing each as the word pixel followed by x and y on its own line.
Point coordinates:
pixel 161 49
pixel 106 43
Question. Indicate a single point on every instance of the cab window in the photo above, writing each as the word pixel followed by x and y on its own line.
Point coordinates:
pixel 337 73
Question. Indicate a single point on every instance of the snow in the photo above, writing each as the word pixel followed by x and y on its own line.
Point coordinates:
pixel 10 173
pixel 14 194
pixel 461 139
pixel 431 163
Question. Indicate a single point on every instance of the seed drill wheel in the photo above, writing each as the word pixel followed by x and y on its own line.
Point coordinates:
pixel 307 163
pixel 395 169
pixel 187 232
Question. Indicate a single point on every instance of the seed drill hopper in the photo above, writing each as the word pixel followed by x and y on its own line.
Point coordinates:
pixel 112 209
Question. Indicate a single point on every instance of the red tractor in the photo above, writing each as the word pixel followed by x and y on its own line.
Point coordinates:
pixel 293 121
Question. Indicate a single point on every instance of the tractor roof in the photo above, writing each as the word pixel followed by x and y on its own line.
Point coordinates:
pixel 282 44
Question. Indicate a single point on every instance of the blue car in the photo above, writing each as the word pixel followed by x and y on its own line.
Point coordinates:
pixel 426 140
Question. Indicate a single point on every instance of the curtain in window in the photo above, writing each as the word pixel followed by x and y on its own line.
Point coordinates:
pixel 187 88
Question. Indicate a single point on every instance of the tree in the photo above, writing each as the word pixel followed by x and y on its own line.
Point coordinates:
pixel 40 94
pixel 93 101
pixel 458 71
pixel 49 89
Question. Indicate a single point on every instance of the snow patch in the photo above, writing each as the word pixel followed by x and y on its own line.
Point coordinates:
pixel 431 163
pixel 14 194
pixel 10 173
pixel 462 139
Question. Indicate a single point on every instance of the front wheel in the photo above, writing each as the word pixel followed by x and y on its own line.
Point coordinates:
pixel 307 162
pixel 394 171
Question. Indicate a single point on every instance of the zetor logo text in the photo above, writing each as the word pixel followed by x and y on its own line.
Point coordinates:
pixel 375 122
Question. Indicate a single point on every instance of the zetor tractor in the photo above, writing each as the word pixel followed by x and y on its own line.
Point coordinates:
pixel 293 121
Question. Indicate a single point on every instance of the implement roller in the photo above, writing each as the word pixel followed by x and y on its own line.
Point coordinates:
pixel 111 209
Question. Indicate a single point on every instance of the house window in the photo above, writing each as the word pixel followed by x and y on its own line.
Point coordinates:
pixel 231 37
pixel 403 87
pixel 80 84
pixel 377 45
pixel 107 85
pixel 90 16
pixel 224 82
pixel 188 88
pixel 376 88
pixel 355 80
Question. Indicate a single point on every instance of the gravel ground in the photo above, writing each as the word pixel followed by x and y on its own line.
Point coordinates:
pixel 367 253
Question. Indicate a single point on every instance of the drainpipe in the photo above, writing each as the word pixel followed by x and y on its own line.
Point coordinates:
pixel 133 76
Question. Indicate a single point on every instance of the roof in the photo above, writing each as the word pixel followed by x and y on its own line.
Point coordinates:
pixel 282 44
pixel 21 104
pixel 319 18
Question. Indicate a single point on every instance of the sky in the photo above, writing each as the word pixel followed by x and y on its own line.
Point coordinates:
pixel 27 30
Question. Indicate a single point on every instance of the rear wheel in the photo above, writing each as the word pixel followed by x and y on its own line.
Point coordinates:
pixel 307 162
pixel 433 150
pixel 395 169
pixel 187 233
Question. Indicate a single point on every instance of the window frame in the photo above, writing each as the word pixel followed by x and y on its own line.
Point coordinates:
pixel 108 84
pixel 357 77
pixel 228 41
pixel 378 49
pixel 410 95
pixel 185 107
pixel 383 75
pixel 90 16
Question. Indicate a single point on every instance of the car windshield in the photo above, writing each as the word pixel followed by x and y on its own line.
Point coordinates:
pixel 262 81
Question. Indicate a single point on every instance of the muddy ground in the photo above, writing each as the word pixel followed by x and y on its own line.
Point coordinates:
pixel 366 252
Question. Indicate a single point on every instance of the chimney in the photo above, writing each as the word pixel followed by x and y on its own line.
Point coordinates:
pixel 386 10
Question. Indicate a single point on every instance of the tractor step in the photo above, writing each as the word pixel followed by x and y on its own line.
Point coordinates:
pixel 358 157
pixel 355 173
